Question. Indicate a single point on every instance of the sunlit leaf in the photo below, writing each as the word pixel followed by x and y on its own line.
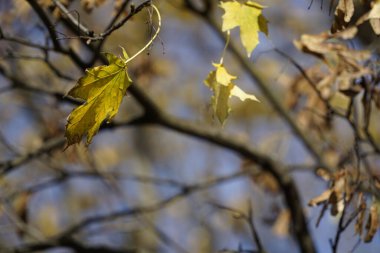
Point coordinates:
pixel 249 18
pixel 102 88
pixel 375 11
pixel 374 17
pixel 242 95
pixel 220 82
pixel 125 54
pixel 221 96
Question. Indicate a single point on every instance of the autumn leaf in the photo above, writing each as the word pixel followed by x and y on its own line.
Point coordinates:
pixel 360 219
pixel 89 5
pixel 375 11
pixel 322 198
pixel 102 88
pixel 345 65
pixel 343 14
pixel 220 82
pixel 221 91
pixel 374 17
pixel 20 206
pixel 282 223
pixel 335 194
pixel 249 18
pixel 372 223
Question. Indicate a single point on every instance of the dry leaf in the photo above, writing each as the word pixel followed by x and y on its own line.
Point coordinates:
pixel 89 5
pixel 372 223
pixel 360 219
pixel 20 207
pixel 281 225
pixel 334 195
pixel 323 173
pixel 375 24
pixel 345 65
pixel 343 14
pixel 375 11
pixel 321 198
pixel 266 181
pixel 374 18
pixel 333 200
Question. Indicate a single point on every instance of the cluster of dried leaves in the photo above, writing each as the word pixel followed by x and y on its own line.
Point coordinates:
pixel 347 189
pixel 344 14
pixel 342 71
pixel 348 74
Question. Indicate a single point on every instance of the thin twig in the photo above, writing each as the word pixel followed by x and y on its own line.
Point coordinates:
pixel 248 218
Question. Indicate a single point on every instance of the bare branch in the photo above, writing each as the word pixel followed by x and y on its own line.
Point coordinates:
pixel 248 218
pixel 89 35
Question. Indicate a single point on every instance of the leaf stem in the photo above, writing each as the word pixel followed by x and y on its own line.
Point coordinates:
pixel 152 39
pixel 225 47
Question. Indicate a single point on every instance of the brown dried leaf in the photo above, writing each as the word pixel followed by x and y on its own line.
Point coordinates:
pixel 348 33
pixel 321 198
pixel 360 220
pixel 323 173
pixel 343 14
pixel 345 65
pixel 377 182
pixel 313 44
pixel 89 5
pixel 373 16
pixel 375 24
pixel 281 225
pixel 300 91
pixel 333 200
pixel 321 46
pixel 351 91
pixel 266 181
pixel 20 205
pixel 372 223
pixel 375 11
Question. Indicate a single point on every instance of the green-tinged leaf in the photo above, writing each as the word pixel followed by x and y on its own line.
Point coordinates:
pixel 220 82
pixel 249 18
pixel 219 100
pixel 103 88
pixel 125 55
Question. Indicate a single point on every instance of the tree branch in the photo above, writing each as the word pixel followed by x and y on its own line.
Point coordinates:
pixel 89 34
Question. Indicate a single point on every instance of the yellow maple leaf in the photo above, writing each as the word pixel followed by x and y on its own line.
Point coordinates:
pixel 220 82
pixel 249 18
pixel 103 89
